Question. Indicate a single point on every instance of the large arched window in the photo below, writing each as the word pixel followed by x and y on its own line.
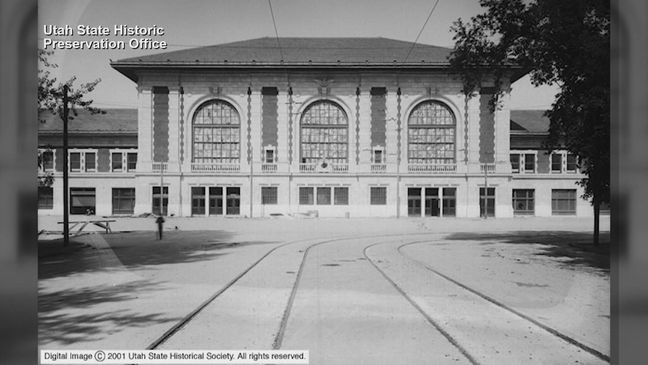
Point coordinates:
pixel 324 133
pixel 431 134
pixel 216 133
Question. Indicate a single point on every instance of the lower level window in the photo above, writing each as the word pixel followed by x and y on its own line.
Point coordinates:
pixel 160 200
pixel 523 201
pixel 45 197
pixel 563 202
pixel 82 201
pixel 123 200
pixel 341 196
pixel 378 195
pixel 268 195
pixel 323 196
pixel 449 202
pixel 197 200
pixel 306 196
pixel 487 202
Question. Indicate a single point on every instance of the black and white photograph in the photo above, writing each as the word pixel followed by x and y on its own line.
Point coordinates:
pixel 324 182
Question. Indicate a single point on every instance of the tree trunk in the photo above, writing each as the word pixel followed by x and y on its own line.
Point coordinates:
pixel 597 211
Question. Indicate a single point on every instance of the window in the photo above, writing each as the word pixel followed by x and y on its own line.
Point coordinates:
pixel 160 201
pixel 378 195
pixel 268 195
pixel 216 133
pixel 47 160
pixel 431 134
pixel 523 162
pixel 515 163
pixel 378 156
pixel 529 162
pixel 323 196
pixel 45 197
pixel 306 196
pixel 563 201
pixel 556 162
pixel 123 200
pixel 572 163
pixel 83 161
pixel 324 133
pixel 449 202
pixel 197 200
pixel 487 202
pixel 82 201
pixel 341 196
pixel 116 161
pixel 131 161
pixel 523 201
pixel 269 155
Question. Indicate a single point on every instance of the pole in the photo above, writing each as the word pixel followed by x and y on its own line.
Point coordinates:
pixel 486 191
pixel 66 214
pixel 161 188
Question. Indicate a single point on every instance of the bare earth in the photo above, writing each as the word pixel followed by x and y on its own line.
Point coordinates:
pixel 351 291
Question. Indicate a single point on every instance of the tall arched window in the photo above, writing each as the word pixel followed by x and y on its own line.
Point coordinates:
pixel 431 134
pixel 216 133
pixel 324 133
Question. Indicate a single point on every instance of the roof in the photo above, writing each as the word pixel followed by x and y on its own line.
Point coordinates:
pixel 529 121
pixel 296 52
pixel 119 121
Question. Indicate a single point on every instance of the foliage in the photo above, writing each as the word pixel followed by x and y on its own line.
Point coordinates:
pixel 558 42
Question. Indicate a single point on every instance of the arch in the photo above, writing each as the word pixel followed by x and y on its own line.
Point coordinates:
pixel 324 132
pixel 216 132
pixel 431 133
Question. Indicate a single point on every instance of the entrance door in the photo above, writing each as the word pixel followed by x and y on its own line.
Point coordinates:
pixel 414 202
pixel 215 200
pixel 432 202
pixel 233 201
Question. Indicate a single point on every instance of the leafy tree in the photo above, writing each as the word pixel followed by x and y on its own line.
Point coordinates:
pixel 560 42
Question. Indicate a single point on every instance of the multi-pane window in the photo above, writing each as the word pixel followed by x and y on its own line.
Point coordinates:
pixel 341 196
pixel 378 156
pixel 378 195
pixel 269 155
pixel 131 161
pixel 306 196
pixel 122 160
pixel 523 201
pixel 563 201
pixel 431 134
pixel 572 163
pixel 556 162
pixel 116 161
pixel 216 133
pixel 324 133
pixel 563 161
pixel 323 196
pixel 487 202
pixel 523 162
pixel 123 200
pixel 82 201
pixel 47 160
pixel 160 200
pixel 83 161
pixel 268 195
pixel 45 197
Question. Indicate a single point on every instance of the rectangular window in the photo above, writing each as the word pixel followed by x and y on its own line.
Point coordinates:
pixel 556 162
pixel 529 163
pixel 160 201
pixel 131 161
pixel 563 201
pixel 323 196
pixel 306 196
pixel 378 195
pixel 123 200
pixel 572 163
pixel 197 200
pixel 269 156
pixel 487 202
pixel 90 161
pixel 377 156
pixel 449 202
pixel 82 201
pixel 116 161
pixel 269 195
pixel 47 160
pixel 523 201
pixel 341 196
pixel 45 197
pixel 515 163
pixel 75 161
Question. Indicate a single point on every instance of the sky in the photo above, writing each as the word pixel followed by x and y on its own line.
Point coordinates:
pixel 196 23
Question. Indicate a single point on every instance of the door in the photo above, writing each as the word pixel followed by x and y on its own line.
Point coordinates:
pixel 431 202
pixel 233 201
pixel 215 200
pixel 414 202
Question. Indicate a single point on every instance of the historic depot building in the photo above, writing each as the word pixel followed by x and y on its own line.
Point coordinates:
pixel 328 126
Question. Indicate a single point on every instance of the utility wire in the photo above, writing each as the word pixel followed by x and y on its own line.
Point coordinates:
pixel 274 23
pixel 421 31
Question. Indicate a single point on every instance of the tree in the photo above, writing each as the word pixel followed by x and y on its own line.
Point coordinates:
pixel 558 42
pixel 58 98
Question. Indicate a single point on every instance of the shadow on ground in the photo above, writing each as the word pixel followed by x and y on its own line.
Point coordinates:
pixel 64 316
pixel 574 248
pixel 132 250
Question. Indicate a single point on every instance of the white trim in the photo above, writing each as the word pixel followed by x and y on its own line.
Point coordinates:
pixel 82 159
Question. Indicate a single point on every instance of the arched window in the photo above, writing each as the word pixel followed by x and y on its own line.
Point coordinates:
pixel 324 133
pixel 431 134
pixel 216 133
